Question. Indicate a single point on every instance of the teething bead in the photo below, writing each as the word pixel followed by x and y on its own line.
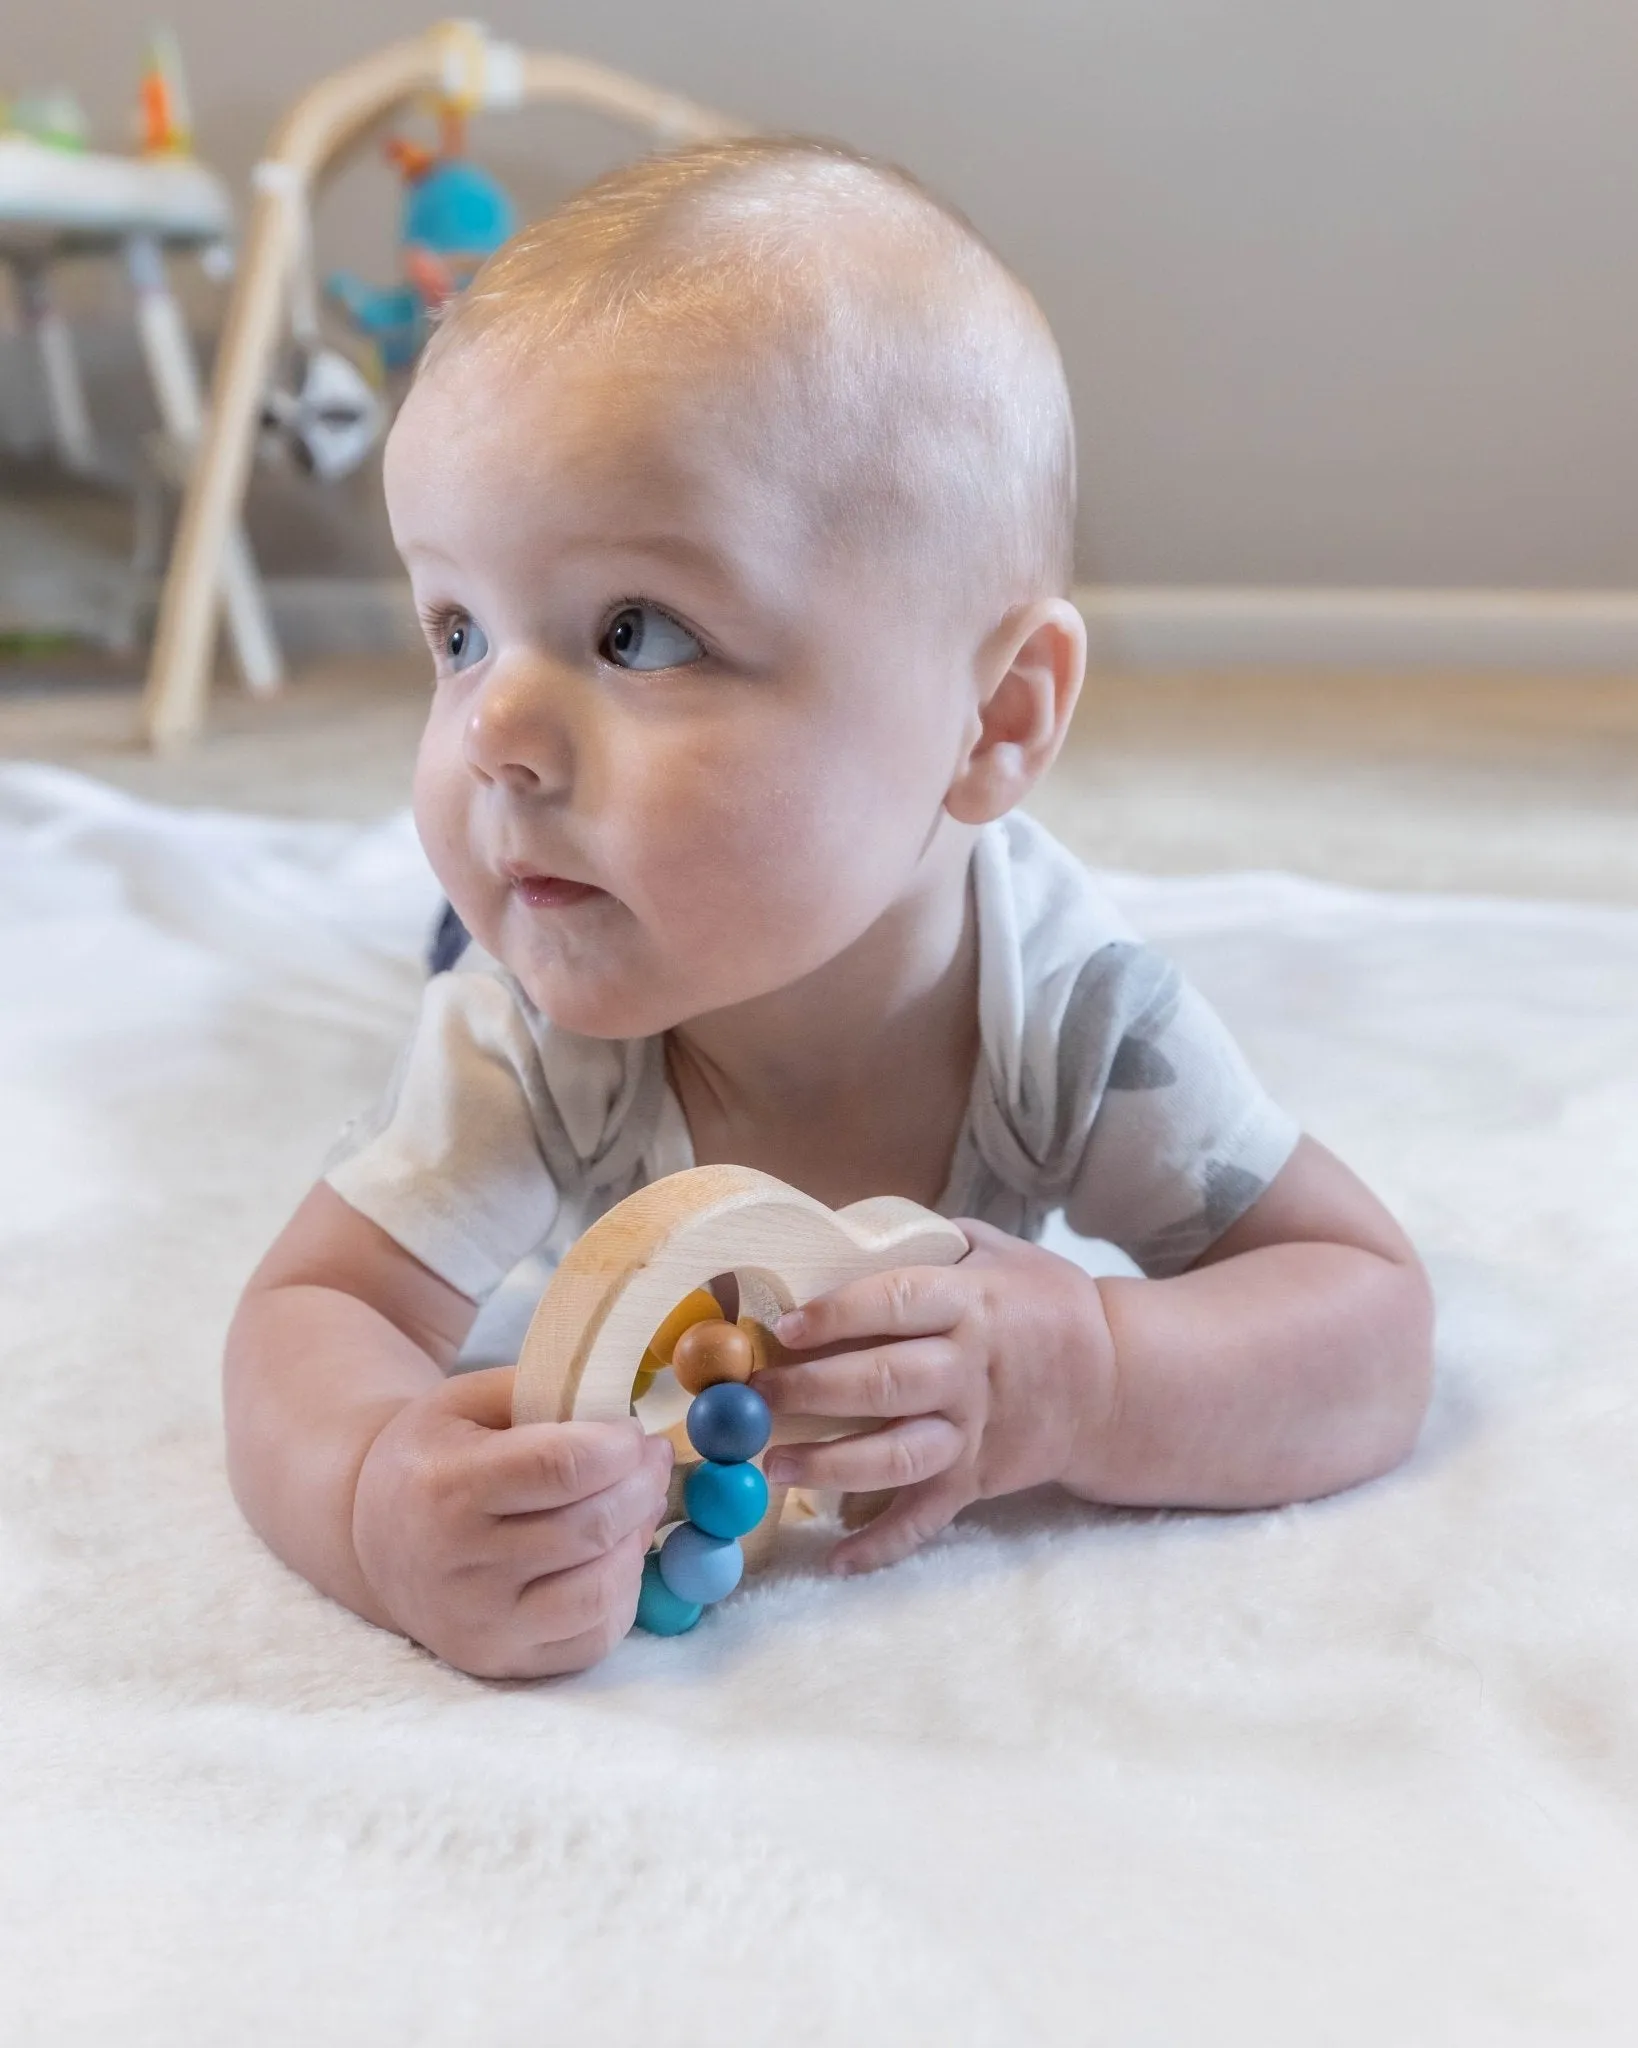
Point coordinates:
pixel 699 1307
pixel 698 1567
pixel 708 1353
pixel 725 1500
pixel 728 1423
pixel 659 1610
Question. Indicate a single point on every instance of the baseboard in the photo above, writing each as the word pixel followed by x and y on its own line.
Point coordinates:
pixel 1165 626
pixel 1160 626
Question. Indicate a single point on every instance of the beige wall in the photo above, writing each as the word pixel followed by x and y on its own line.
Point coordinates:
pixel 1347 288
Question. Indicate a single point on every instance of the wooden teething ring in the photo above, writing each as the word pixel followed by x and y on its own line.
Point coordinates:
pixel 619 1280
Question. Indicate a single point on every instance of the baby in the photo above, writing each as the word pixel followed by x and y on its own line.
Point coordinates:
pixel 738 501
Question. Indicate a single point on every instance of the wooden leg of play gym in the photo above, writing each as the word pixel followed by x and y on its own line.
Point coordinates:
pixel 174 376
pixel 173 707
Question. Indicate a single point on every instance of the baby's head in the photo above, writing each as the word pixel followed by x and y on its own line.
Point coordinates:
pixel 738 498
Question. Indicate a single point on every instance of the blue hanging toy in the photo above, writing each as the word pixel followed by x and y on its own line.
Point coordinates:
pixel 454 215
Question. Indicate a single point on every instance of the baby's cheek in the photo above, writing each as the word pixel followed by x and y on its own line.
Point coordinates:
pixel 763 876
pixel 439 821
pixel 441 800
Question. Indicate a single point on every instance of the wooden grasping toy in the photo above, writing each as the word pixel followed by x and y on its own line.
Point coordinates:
pixel 631 1297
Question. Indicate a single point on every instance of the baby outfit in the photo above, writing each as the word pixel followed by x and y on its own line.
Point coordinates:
pixel 1105 1087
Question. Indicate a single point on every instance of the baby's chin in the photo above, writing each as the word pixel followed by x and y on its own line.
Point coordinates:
pixel 591 1000
pixel 608 979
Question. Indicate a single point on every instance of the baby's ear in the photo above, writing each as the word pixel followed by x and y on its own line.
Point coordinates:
pixel 1029 676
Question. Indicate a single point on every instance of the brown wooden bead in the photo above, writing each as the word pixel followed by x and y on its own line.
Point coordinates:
pixel 701 1306
pixel 707 1353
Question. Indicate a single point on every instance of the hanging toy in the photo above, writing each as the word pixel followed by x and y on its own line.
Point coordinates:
pixel 326 420
pixel 454 215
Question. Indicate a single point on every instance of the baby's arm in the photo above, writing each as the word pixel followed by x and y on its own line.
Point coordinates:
pixel 405 1494
pixel 1294 1359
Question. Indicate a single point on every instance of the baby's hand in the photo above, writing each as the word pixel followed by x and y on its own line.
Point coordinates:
pixel 511 1553
pixel 985 1373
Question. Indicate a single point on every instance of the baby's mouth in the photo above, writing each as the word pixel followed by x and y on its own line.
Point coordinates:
pixel 545 891
pixel 549 892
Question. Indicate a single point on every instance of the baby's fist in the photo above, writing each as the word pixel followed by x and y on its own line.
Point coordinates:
pixel 510 1553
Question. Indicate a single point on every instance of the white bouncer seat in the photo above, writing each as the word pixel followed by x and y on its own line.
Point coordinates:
pixel 61 201
pixel 57 203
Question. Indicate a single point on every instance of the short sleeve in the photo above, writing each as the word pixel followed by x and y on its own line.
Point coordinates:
pixel 451 1163
pixel 1109 1088
pixel 1181 1139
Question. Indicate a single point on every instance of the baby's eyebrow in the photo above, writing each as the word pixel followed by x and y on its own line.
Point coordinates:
pixel 675 546
pixel 424 551
pixel 680 549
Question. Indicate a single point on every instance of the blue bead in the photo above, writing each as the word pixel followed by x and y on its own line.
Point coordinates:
pixel 729 1422
pixel 725 1500
pixel 658 1609
pixel 700 1567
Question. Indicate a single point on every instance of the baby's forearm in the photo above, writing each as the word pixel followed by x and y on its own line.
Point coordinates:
pixel 1281 1374
pixel 312 1376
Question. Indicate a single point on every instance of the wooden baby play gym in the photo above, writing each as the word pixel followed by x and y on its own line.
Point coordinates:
pixel 459 67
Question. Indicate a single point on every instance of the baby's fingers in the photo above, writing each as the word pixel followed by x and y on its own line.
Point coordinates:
pixel 910 1301
pixel 558 1539
pixel 917 1377
pixel 899 1455
pixel 600 1595
pixel 565 1621
pixel 540 1465
pixel 910 1520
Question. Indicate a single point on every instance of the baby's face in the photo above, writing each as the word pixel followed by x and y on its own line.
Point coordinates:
pixel 682 751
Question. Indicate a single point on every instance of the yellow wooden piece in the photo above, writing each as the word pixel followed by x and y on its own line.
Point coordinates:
pixel 698 1306
pixel 766 1348
pixel 618 1282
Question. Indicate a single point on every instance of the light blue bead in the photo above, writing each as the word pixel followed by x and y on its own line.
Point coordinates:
pixel 729 1423
pixel 700 1567
pixel 725 1500
pixel 658 1609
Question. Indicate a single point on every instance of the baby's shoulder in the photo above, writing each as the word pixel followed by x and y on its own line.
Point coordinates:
pixel 1065 984
pixel 1039 907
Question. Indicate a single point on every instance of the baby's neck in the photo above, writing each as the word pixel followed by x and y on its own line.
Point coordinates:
pixel 853 1081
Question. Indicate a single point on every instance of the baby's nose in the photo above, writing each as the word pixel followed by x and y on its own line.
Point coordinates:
pixel 517 734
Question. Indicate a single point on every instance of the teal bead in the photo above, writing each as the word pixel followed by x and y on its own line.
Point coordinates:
pixel 700 1567
pixel 728 1422
pixel 725 1500
pixel 658 1609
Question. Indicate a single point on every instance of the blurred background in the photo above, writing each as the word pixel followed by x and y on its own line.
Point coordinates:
pixel 1346 294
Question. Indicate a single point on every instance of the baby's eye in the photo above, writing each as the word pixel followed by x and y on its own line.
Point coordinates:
pixel 641 636
pixel 464 642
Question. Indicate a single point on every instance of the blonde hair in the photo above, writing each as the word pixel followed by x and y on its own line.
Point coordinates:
pixel 922 376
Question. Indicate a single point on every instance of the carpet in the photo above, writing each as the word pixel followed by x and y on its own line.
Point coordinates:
pixel 1362 1771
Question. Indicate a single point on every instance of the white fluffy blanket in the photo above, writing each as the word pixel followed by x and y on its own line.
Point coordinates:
pixel 1359 1772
